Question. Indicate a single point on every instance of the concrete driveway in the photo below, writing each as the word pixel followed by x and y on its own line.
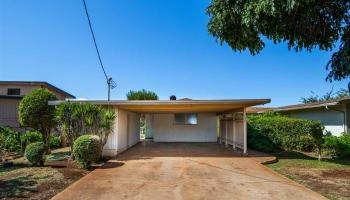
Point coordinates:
pixel 185 171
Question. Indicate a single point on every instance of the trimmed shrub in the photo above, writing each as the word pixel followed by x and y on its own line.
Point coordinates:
pixel 87 149
pixel 54 142
pixel 337 146
pixel 271 132
pixel 30 137
pixel 259 142
pixel 306 143
pixel 10 140
pixel 35 153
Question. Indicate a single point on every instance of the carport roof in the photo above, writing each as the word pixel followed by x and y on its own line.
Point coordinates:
pixel 163 106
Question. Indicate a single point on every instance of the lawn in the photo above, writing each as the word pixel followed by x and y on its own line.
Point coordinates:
pixel 330 178
pixel 24 181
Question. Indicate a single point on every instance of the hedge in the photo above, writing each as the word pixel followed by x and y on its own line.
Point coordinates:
pixel 10 140
pixel 271 133
pixel 337 146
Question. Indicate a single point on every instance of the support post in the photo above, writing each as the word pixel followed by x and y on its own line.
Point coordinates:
pixel 226 128
pixel 220 131
pixel 245 131
pixel 233 131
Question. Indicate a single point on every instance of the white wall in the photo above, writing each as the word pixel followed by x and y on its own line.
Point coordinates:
pixel 332 120
pixel 165 130
pixel 126 132
pixel 227 125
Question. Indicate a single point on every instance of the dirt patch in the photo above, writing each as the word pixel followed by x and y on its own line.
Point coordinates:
pixel 37 182
pixel 341 173
pixel 334 184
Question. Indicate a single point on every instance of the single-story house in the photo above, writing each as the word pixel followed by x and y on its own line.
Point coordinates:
pixel 334 114
pixel 178 121
pixel 12 92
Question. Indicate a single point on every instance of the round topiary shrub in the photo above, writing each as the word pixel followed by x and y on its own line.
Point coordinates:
pixel 30 137
pixel 87 149
pixel 54 142
pixel 35 153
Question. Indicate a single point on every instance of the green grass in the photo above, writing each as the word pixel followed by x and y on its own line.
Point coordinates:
pixel 328 177
pixel 17 181
pixel 300 160
pixel 56 155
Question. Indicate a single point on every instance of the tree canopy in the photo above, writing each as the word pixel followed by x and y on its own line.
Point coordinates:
pixel 326 97
pixel 302 24
pixel 141 95
pixel 35 112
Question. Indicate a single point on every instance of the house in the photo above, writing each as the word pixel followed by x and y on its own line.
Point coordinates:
pixel 257 110
pixel 178 121
pixel 11 93
pixel 334 114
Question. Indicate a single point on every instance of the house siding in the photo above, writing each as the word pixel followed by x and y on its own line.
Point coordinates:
pixel 166 131
pixel 126 133
pixel 332 120
pixel 9 107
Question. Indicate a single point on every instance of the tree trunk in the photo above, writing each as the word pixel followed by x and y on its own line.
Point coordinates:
pixel 319 153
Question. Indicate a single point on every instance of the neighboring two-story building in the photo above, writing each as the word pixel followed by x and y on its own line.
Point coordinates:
pixel 11 93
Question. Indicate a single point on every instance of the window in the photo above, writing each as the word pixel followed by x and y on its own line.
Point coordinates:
pixel 13 91
pixel 186 119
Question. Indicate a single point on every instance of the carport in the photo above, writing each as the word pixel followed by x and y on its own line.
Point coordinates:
pixel 222 121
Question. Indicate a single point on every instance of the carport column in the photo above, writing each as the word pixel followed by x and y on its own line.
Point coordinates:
pixel 234 131
pixel 245 131
pixel 226 130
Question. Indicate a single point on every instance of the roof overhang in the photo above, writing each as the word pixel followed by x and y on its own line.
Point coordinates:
pixel 305 106
pixel 37 83
pixel 167 106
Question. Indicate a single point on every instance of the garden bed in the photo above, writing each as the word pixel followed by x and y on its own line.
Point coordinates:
pixel 23 181
pixel 330 178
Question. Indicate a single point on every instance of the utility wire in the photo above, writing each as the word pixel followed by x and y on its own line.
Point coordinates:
pixel 93 36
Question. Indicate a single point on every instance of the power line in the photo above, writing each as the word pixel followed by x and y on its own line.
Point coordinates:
pixel 110 82
pixel 95 43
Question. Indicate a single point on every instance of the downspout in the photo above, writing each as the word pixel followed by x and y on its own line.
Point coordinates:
pixel 344 116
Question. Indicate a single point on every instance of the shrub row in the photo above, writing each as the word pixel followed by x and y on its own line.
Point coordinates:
pixel 337 146
pixel 272 132
pixel 13 141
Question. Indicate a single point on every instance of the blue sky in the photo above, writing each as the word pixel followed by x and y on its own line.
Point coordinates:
pixel 158 45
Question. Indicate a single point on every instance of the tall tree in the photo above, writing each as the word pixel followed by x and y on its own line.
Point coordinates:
pixel 303 24
pixel 35 112
pixel 141 95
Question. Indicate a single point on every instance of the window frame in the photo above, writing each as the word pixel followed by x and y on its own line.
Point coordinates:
pixel 185 118
pixel 14 89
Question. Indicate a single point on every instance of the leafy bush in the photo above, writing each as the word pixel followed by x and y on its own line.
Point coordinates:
pixel 35 112
pixel 75 119
pixel 306 143
pixel 87 149
pixel 54 142
pixel 270 132
pixel 30 137
pixel 337 146
pixel 10 140
pixel 35 153
pixel 260 142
